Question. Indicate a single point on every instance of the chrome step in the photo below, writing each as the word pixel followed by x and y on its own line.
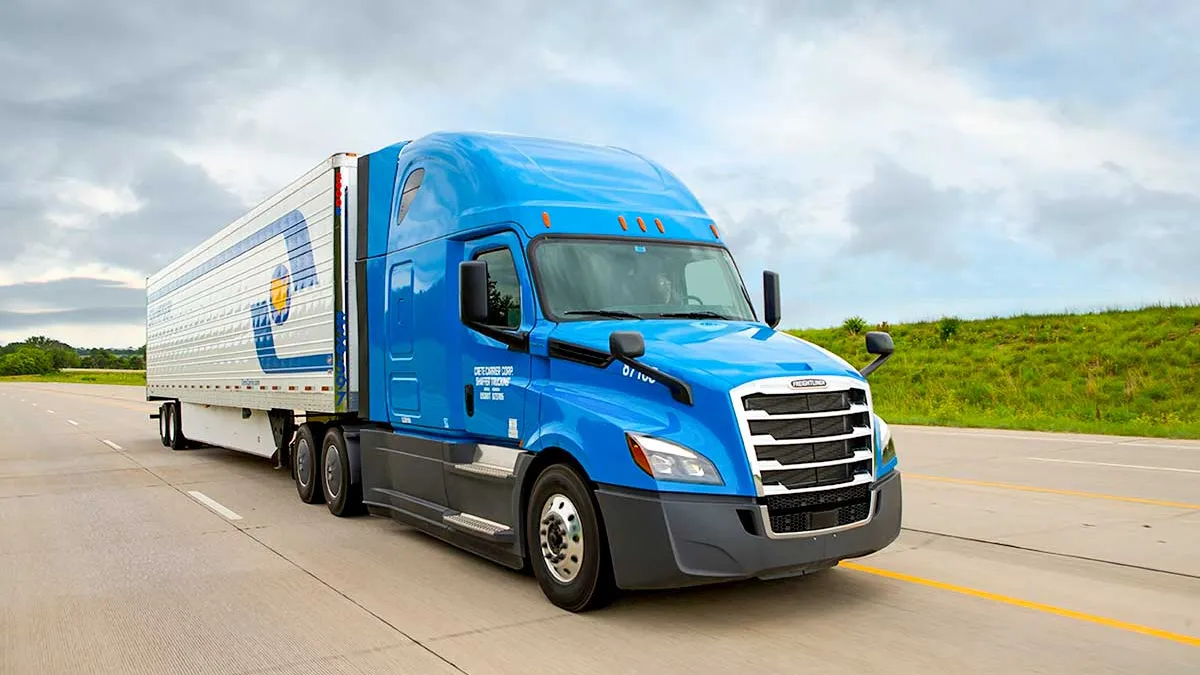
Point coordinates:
pixel 484 470
pixel 473 523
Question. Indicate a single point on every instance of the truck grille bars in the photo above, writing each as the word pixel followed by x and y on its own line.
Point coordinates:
pixel 811 452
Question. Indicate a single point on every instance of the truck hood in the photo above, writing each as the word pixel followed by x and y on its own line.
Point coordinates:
pixel 725 353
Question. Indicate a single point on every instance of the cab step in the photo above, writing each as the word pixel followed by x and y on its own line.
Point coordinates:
pixel 489 530
pixel 483 470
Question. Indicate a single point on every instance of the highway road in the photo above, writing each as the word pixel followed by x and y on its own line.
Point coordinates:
pixel 1022 552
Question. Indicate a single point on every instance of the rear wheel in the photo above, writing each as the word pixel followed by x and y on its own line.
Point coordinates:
pixel 566 542
pixel 174 426
pixel 164 423
pixel 307 460
pixel 343 496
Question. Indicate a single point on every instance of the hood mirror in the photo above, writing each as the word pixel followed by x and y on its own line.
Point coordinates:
pixel 629 346
pixel 881 344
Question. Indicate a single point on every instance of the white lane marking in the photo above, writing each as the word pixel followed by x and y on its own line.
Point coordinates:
pixel 1161 445
pixel 73 423
pixel 112 445
pixel 213 504
pixel 1120 466
pixel 1015 437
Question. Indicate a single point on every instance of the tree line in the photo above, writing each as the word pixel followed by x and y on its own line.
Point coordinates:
pixel 40 355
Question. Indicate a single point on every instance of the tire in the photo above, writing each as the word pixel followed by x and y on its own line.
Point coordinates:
pixel 164 417
pixel 343 497
pixel 175 435
pixel 306 461
pixel 582 580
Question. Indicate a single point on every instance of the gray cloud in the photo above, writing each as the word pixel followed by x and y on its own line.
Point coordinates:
pixel 182 207
pixel 86 316
pixel 904 213
pixel 74 292
pixel 1129 226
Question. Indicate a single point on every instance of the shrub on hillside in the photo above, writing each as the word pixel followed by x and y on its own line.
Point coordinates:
pixel 854 325
pixel 26 361
pixel 948 326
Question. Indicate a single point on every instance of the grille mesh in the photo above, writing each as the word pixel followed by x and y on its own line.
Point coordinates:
pixel 804 521
pixel 795 404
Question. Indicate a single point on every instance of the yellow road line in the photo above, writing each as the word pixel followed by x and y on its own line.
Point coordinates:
pixel 1054 491
pixel 1028 604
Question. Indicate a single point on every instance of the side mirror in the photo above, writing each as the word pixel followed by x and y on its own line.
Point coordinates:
pixel 628 344
pixel 881 344
pixel 472 292
pixel 771 303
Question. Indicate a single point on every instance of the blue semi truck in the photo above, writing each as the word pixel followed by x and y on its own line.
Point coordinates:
pixel 539 351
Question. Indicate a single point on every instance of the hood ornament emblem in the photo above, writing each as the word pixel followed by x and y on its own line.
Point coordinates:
pixel 807 382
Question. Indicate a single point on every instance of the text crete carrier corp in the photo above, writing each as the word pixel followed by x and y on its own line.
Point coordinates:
pixel 539 351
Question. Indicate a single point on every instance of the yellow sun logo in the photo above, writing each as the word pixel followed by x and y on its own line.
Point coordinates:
pixel 280 296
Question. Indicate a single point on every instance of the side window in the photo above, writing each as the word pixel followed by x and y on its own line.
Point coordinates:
pixel 504 289
pixel 411 185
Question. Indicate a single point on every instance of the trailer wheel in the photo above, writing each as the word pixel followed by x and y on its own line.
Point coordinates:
pixel 175 438
pixel 343 497
pixel 307 460
pixel 164 423
pixel 566 542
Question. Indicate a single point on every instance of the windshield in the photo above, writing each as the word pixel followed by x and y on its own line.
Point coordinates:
pixel 590 279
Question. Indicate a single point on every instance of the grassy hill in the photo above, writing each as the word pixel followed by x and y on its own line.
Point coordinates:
pixel 1121 372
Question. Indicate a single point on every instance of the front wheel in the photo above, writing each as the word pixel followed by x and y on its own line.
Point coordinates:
pixel 566 542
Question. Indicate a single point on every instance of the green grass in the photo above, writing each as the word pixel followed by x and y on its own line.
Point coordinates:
pixel 77 377
pixel 1120 372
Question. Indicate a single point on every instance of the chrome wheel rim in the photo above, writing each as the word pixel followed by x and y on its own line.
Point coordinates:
pixel 560 533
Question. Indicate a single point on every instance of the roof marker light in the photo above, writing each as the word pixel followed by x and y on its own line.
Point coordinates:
pixel 546 219
pixel 621 219
pixel 713 227
pixel 641 223
pixel 660 225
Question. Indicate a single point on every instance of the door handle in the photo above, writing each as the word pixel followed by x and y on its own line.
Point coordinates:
pixel 469 391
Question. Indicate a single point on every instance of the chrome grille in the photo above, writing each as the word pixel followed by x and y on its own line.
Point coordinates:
pixel 812 453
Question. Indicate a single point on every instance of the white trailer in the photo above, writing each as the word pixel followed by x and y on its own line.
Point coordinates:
pixel 250 329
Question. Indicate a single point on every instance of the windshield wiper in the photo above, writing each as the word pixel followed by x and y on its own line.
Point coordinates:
pixel 698 314
pixel 612 313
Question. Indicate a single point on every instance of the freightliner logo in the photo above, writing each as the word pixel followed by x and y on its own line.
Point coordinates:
pixel 807 382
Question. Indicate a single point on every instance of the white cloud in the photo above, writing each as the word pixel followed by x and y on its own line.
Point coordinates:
pixel 777 115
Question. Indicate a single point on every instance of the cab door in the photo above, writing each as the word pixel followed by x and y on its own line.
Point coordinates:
pixel 497 376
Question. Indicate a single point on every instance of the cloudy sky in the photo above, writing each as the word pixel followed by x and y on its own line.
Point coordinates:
pixel 893 160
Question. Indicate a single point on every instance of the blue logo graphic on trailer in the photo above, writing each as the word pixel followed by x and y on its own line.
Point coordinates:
pixel 275 309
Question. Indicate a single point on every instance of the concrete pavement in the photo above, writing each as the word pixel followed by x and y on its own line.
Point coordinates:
pixel 1022 552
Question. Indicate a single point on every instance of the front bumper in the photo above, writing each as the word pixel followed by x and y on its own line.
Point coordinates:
pixel 660 540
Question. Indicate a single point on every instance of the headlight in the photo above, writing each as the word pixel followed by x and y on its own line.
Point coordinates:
pixel 889 444
pixel 664 460
pixel 889 451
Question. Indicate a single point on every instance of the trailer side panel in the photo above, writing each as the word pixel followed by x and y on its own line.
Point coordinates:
pixel 252 317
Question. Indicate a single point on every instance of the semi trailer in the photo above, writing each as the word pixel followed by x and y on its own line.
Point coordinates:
pixel 539 351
